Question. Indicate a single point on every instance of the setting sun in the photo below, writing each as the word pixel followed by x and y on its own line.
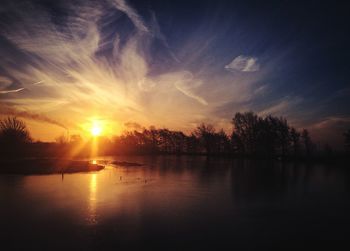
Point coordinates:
pixel 96 129
pixel 97 126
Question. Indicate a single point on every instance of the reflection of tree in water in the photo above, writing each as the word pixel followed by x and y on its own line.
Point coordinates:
pixel 213 169
pixel 203 168
pixel 256 182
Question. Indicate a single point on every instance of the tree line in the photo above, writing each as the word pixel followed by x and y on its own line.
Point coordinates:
pixel 251 135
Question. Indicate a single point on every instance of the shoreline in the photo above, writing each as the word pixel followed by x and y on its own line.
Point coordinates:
pixel 47 166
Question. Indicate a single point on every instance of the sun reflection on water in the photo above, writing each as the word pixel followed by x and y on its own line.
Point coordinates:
pixel 92 214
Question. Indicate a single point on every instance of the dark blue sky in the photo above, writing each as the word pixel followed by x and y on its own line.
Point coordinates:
pixel 286 58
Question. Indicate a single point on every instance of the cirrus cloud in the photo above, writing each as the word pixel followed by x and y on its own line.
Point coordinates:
pixel 244 64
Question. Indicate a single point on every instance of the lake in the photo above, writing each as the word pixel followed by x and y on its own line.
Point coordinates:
pixel 177 203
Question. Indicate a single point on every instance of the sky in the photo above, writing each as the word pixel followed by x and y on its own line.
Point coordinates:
pixel 126 64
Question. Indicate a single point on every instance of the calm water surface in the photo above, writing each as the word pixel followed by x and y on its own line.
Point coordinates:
pixel 177 203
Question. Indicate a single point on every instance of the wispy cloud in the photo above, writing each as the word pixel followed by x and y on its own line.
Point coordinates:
pixel 330 129
pixel 331 122
pixel 187 85
pixel 105 59
pixel 62 63
pixel 282 107
pixel 133 125
pixel 131 13
pixel 11 91
pixel 11 111
pixel 5 80
pixel 38 82
pixel 244 64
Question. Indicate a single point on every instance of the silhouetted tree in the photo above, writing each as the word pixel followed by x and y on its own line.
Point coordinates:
pixel 166 143
pixel 254 135
pixel 179 139
pixel 237 145
pixel 283 136
pixel 267 136
pixel 245 129
pixel 14 136
pixel 295 140
pixel 150 140
pixel 192 144
pixel 62 140
pixel 307 143
pixel 224 143
pixel 206 135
